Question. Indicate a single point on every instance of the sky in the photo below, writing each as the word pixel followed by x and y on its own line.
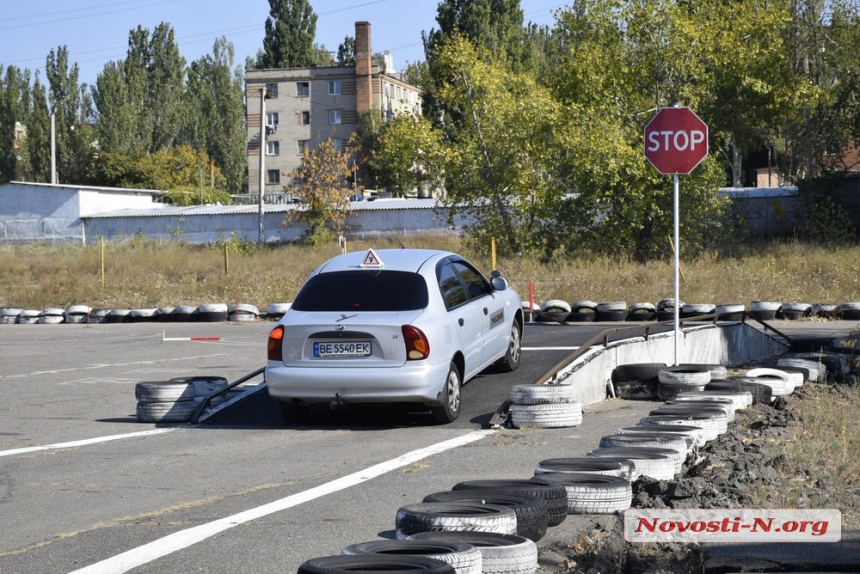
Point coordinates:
pixel 96 31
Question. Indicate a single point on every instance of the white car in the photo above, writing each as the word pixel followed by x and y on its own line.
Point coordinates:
pixel 397 325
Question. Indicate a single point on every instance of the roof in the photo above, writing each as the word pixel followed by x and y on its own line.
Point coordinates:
pixel 391 259
pixel 203 210
pixel 135 191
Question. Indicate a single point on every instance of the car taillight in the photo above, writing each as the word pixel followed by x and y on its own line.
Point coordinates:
pixel 417 345
pixel 274 347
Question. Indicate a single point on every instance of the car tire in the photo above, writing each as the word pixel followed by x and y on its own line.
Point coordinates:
pixel 580 465
pixel 432 516
pixel 164 391
pixel 653 440
pixel 657 463
pixel 463 557
pixel 542 394
pixel 635 390
pixel 449 410
pixel 511 360
pixel 685 376
pixel 555 415
pixel 349 564
pixel 531 511
pixel 555 497
pixel 637 372
pixel 167 412
pixel 761 394
pixel 594 493
pixel 500 553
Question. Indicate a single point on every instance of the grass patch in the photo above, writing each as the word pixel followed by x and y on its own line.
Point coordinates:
pixel 141 273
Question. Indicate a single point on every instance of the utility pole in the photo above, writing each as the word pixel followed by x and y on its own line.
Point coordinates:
pixel 261 236
pixel 53 149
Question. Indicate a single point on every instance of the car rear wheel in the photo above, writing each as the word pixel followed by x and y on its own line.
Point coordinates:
pixel 512 358
pixel 449 410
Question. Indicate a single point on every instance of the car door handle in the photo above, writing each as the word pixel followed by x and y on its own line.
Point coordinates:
pixel 460 321
pixel 485 311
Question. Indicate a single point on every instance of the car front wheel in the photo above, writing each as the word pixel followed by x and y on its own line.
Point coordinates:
pixel 449 410
pixel 511 360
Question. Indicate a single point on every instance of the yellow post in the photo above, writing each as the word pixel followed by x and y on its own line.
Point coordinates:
pixel 226 263
pixel 493 251
pixel 680 271
pixel 102 246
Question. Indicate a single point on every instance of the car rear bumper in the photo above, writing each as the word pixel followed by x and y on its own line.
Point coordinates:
pixel 419 382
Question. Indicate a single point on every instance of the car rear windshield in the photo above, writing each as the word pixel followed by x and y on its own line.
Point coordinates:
pixel 363 291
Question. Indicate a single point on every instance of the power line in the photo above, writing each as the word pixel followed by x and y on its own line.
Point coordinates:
pixel 18 26
pixel 73 10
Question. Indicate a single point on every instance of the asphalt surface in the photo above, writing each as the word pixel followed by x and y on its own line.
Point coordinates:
pixel 242 492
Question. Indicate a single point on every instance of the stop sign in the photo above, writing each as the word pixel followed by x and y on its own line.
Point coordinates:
pixel 676 140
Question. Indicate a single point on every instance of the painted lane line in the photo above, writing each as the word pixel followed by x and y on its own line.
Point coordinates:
pixel 185 538
pixel 85 442
pixel 107 365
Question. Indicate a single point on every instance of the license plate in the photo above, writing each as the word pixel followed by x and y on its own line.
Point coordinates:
pixel 351 349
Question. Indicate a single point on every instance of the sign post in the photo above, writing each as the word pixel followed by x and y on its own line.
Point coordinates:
pixel 676 141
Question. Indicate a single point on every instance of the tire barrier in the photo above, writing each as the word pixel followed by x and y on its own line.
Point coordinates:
pixel 500 553
pixel 531 511
pixel 463 557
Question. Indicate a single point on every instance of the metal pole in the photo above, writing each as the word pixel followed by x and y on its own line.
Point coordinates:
pixel 261 236
pixel 677 273
pixel 53 149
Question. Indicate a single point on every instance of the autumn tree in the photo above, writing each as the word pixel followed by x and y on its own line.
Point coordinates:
pixel 323 184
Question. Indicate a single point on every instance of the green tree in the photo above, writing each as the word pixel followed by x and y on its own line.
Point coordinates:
pixel 215 93
pixel 35 150
pixel 14 108
pixel 72 109
pixel 323 184
pixel 346 52
pixel 289 40
pixel 409 153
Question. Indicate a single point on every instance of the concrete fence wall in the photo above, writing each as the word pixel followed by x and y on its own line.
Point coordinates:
pixel 728 344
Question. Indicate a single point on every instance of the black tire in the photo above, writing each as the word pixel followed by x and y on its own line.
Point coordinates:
pixel 431 516
pixel 594 493
pixel 641 315
pixel 555 497
pixel 449 410
pixel 530 510
pixel 374 563
pixel 464 558
pixel 636 390
pixel 511 360
pixel 761 394
pixel 668 392
pixel 501 553
pixel 164 391
pixel 655 440
pixel 610 316
pixel 552 316
pixel 580 317
pixel 637 372
pixel 694 432
pixel 657 463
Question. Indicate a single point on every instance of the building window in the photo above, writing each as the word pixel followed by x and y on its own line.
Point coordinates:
pixel 334 117
pixel 337 145
pixel 273 148
pixel 303 89
pixel 272 90
pixel 303 145
pixel 334 88
pixel 272 119
pixel 273 176
pixel 304 118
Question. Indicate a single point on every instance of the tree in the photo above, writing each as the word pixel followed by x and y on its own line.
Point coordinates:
pixel 323 184
pixel 346 52
pixel 409 153
pixel 140 101
pixel 289 40
pixel 72 109
pixel 215 93
pixel 14 108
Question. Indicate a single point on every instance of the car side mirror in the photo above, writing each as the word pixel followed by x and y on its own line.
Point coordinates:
pixel 498 282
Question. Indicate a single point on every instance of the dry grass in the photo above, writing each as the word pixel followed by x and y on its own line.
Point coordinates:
pixel 821 467
pixel 142 273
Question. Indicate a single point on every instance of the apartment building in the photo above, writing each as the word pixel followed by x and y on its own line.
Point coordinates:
pixel 305 106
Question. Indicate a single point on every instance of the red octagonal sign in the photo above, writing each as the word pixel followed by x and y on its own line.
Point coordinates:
pixel 676 140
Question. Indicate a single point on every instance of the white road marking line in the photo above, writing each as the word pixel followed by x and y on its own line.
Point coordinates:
pixel 84 442
pixel 549 348
pixel 185 538
pixel 105 366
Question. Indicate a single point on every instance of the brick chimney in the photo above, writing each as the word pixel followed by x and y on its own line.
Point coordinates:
pixel 363 68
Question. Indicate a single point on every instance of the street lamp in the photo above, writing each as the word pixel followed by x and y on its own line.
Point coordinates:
pixel 263 96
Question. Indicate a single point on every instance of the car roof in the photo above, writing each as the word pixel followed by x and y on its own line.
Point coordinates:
pixel 391 259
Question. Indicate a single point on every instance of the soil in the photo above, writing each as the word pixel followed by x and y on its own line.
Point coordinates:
pixel 734 471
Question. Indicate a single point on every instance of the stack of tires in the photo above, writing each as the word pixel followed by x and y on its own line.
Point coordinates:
pixel 611 312
pixel 175 401
pixel 544 406
pixel 582 311
pixel 679 378
pixel 242 312
pixel 554 310
pixel 9 315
